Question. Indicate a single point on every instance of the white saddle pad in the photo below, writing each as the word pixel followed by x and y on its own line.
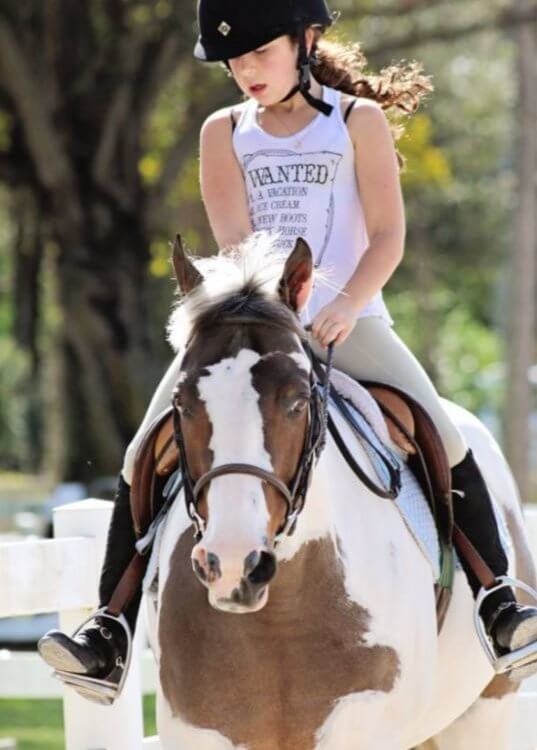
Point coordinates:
pixel 411 501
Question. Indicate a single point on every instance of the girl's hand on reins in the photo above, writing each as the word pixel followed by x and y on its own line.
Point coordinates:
pixel 334 321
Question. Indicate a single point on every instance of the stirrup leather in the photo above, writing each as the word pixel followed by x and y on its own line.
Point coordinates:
pixel 514 659
pixel 104 690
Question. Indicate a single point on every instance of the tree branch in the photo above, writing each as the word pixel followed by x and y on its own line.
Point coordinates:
pixel 507 18
pixel 404 8
pixel 131 55
pixel 50 160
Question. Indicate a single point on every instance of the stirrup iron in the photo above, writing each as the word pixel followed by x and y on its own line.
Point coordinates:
pixel 514 660
pixel 103 690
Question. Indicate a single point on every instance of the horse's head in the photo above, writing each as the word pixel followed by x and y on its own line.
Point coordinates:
pixel 243 414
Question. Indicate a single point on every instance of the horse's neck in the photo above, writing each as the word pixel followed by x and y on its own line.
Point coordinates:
pixel 315 520
pixel 339 507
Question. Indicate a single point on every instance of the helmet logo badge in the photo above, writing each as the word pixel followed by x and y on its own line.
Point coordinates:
pixel 224 28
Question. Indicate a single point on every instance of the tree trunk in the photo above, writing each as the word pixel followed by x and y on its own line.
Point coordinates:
pixel 106 362
pixel 520 340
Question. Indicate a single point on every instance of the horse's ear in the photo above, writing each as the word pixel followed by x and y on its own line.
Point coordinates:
pixel 297 278
pixel 188 276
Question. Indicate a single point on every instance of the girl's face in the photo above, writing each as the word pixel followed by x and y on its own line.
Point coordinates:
pixel 268 72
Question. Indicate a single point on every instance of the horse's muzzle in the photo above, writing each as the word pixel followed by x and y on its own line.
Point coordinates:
pixel 246 592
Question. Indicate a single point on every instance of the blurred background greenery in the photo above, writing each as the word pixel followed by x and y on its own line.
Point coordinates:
pixel 100 110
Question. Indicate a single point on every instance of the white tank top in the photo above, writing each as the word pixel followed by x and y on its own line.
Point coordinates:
pixel 305 185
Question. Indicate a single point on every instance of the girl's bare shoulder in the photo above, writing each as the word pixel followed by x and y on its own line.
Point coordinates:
pixel 365 117
pixel 219 122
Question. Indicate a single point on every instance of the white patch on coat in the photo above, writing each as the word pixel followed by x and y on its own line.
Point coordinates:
pixel 301 358
pixel 486 725
pixel 359 722
pixel 176 734
pixel 236 502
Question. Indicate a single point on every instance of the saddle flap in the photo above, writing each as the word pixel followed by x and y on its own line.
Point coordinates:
pixel 166 451
pixel 157 456
pixel 396 406
pixel 432 450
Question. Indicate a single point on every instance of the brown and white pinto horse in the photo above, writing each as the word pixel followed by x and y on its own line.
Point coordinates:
pixel 327 640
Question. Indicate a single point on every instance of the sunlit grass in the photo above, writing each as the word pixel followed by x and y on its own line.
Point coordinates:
pixel 38 724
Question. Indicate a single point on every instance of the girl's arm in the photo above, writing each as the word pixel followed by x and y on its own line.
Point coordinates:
pixel 222 182
pixel 377 174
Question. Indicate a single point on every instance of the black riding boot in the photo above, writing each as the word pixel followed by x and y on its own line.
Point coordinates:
pixel 97 646
pixel 510 625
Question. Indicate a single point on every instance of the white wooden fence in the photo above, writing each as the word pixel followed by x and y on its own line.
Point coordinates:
pixel 61 575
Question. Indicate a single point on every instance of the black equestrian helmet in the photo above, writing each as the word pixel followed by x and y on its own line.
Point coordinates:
pixel 230 28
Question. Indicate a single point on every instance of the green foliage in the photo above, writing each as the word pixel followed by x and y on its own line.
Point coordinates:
pixel 427 165
pixel 467 354
pixel 15 402
pixel 14 364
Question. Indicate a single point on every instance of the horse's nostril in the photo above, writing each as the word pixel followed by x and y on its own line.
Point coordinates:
pixel 251 561
pixel 213 567
pixel 265 569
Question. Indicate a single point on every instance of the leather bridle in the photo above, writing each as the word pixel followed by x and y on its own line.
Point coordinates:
pixel 294 494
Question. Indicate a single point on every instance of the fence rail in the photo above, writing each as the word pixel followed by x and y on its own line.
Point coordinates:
pixel 61 575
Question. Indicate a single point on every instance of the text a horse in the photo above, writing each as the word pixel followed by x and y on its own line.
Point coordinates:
pixel 327 640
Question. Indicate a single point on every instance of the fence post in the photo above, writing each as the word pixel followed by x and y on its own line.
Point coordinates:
pixel 87 725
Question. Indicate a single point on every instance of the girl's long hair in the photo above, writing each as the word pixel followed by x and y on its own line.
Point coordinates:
pixel 397 88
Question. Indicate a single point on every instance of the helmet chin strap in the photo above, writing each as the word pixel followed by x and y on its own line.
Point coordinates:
pixel 304 78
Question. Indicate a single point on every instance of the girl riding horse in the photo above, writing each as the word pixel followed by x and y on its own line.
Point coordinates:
pixel 309 153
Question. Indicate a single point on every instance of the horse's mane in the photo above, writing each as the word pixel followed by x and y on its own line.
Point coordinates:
pixel 243 282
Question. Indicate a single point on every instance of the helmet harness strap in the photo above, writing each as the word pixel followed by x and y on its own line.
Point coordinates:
pixel 304 76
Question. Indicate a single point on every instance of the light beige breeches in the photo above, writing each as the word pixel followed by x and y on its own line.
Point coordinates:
pixel 373 351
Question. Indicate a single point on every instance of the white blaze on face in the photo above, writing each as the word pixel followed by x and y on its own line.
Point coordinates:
pixel 238 514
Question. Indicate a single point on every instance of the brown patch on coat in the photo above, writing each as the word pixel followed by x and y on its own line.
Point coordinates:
pixel 268 680
pixel 281 385
pixel 499 687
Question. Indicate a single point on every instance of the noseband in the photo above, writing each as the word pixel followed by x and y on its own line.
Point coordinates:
pixel 293 494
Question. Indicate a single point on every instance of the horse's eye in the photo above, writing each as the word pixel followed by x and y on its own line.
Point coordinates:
pixel 298 406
